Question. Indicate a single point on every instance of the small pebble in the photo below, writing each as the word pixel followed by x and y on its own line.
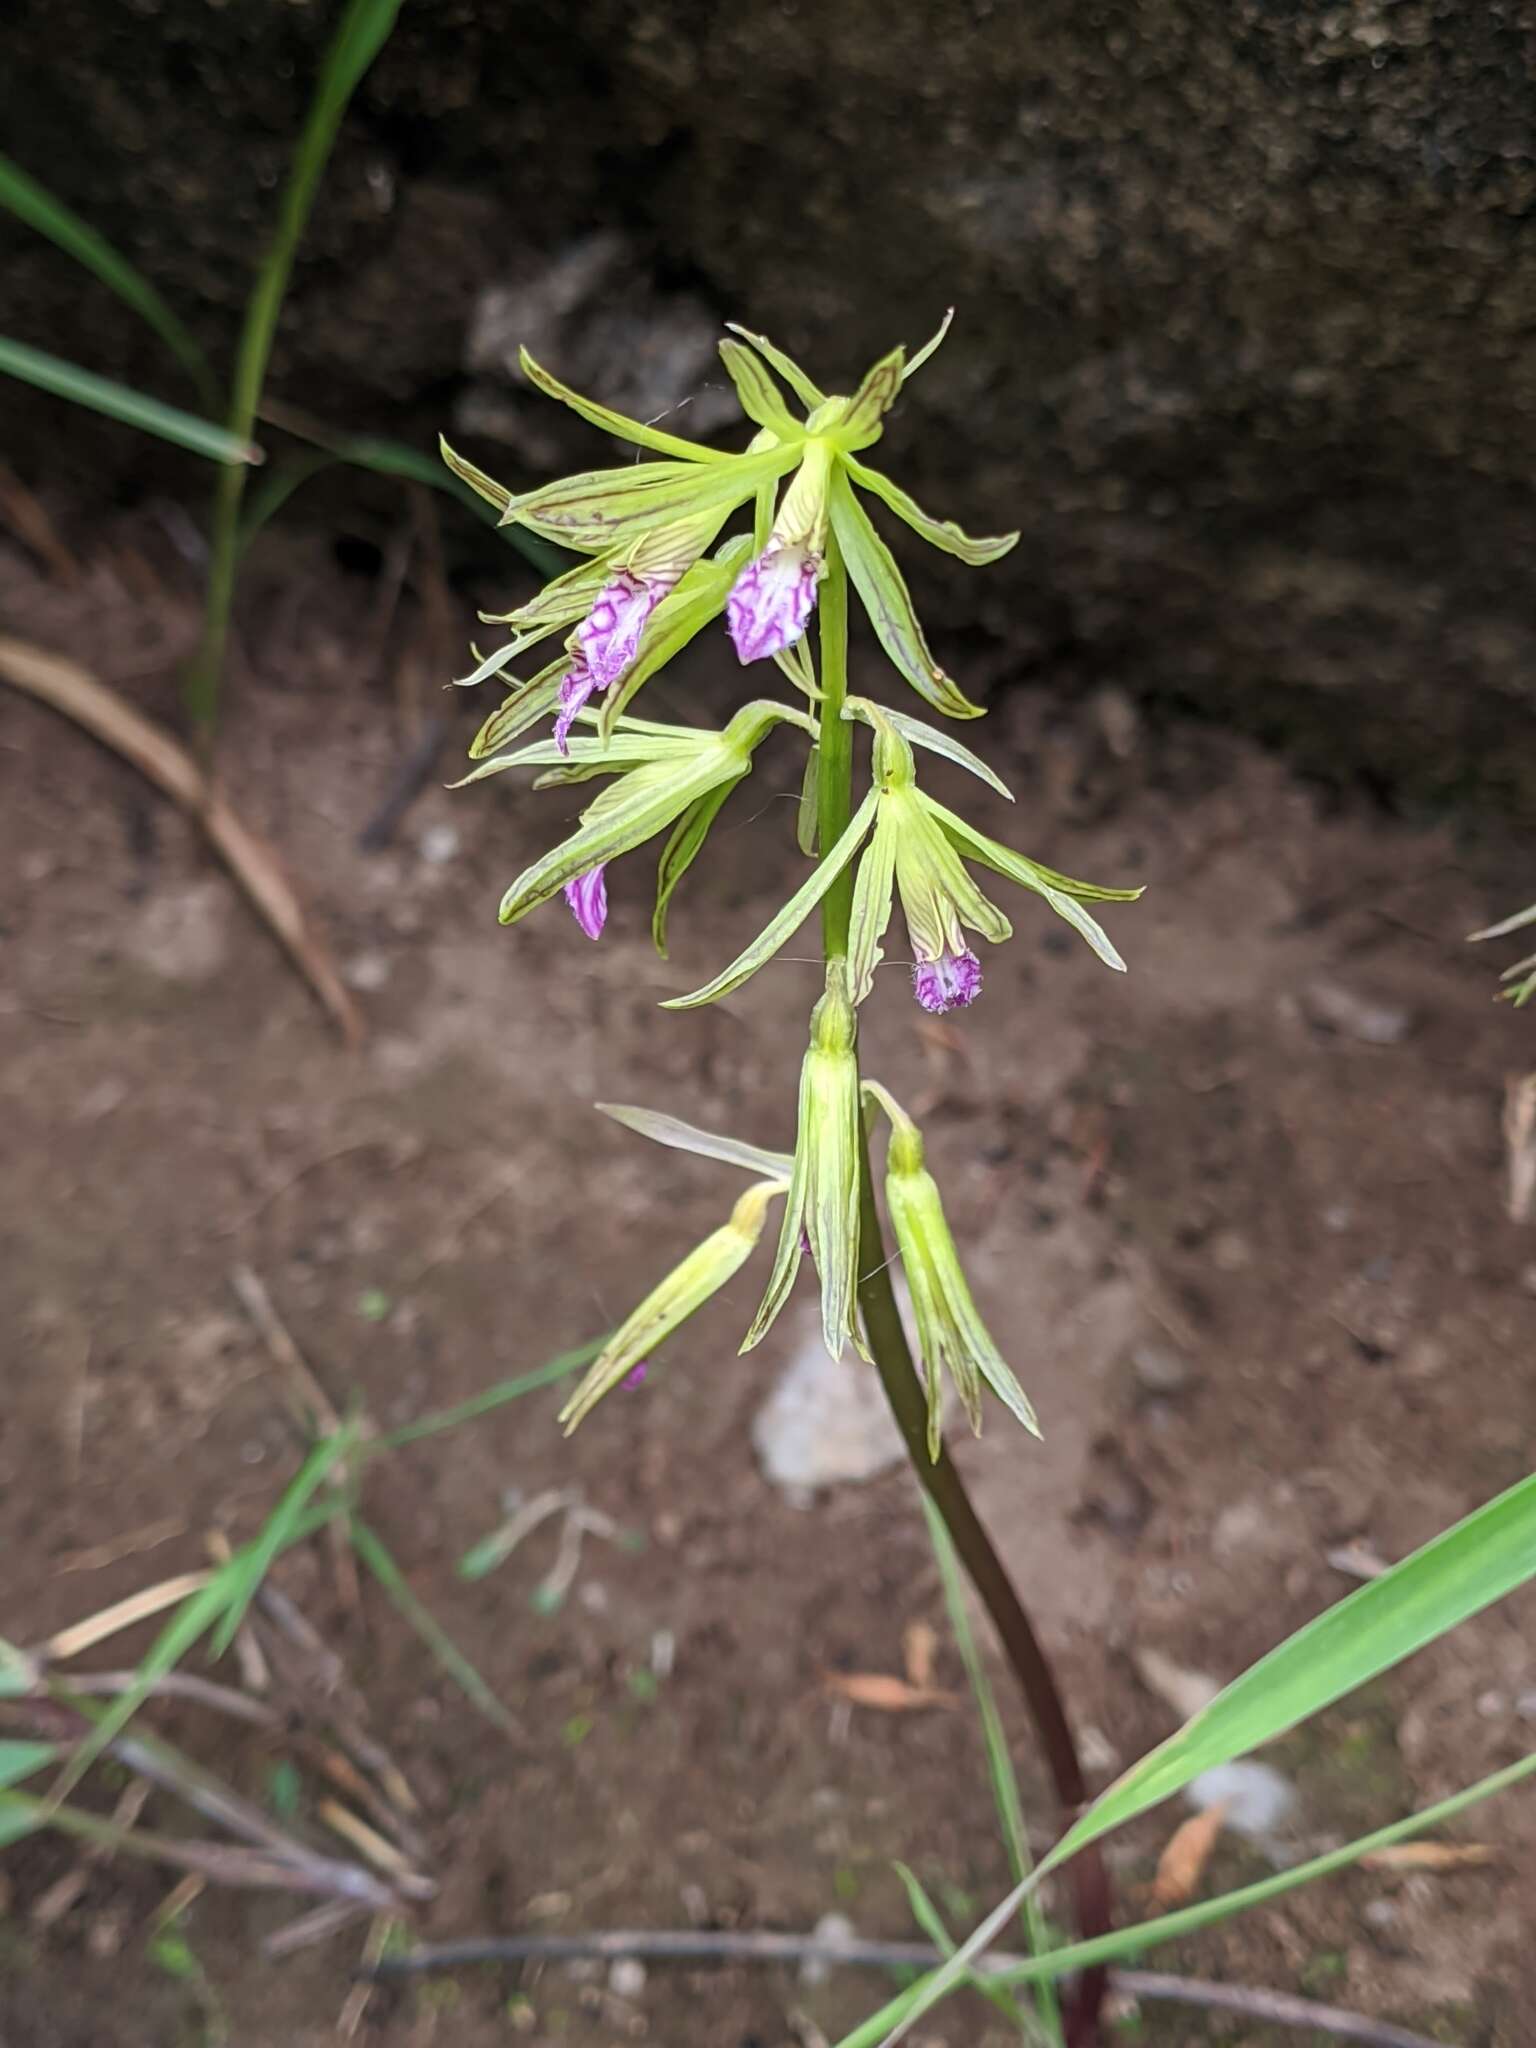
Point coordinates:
pixel 440 844
pixel 1159 1367
pixel 626 1977
pixel 832 1930
pixel 1349 1015
pixel 366 972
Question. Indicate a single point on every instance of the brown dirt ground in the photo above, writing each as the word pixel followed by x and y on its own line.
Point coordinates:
pixel 1316 1223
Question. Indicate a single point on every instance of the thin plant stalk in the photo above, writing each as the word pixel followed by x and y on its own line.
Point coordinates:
pixel 362 33
pixel 893 1360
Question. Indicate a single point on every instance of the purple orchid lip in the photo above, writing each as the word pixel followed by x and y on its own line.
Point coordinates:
pixel 949 983
pixel 771 601
pixel 609 636
pixel 578 685
pixel 588 900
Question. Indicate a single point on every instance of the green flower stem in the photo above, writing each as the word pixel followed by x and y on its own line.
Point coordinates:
pixel 888 1342
pixel 834 788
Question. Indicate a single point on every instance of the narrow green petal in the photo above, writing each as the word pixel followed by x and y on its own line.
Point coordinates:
pixel 678 855
pixel 788 921
pixel 602 509
pixel 860 424
pixel 919 734
pixel 927 864
pixel 525 707
pixel 807 393
pixel 662 1129
pixel 933 342
pixel 787 1256
pixel 561 601
pixel 614 422
pixel 832 1206
pixel 939 533
pixel 1030 875
pixel 759 395
pixel 871 911
pixel 885 597
pixel 1019 867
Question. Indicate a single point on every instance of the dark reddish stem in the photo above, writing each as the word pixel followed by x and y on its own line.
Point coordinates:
pixel 994 1588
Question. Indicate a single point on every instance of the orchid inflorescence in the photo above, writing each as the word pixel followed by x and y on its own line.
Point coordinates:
pixel 654 572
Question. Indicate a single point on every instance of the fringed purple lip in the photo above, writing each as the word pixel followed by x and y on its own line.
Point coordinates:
pixel 771 601
pixel 948 983
pixel 609 636
pixel 576 687
pixel 588 900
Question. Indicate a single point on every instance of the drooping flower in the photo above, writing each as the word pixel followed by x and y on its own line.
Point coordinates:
pixel 951 982
pixel 609 636
pixel 917 850
pixel 821 1212
pixel 686 1288
pixel 771 601
pixel 664 775
pixel 587 896
pixel 951 1337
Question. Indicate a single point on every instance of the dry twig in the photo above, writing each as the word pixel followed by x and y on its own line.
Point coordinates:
pixel 69 689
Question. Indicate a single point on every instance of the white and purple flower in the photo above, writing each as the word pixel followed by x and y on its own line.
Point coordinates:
pixel 951 982
pixel 609 636
pixel 587 897
pixel 772 600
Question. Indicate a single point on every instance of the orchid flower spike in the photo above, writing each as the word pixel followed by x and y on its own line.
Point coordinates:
pixel 951 1337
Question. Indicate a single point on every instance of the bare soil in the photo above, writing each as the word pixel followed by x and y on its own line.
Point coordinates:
pixel 1205 1157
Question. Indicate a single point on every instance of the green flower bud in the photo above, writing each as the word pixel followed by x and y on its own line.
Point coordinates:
pixel 951 1337
pixel 686 1288
pixel 821 1214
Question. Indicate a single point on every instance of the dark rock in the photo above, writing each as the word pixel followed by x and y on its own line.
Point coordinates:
pixel 1244 305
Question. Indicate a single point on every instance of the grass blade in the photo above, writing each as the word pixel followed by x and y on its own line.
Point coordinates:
pixel 19 1760
pixel 361 34
pixel 559 1368
pixel 893 2018
pixel 431 1631
pixel 36 205
pixel 133 408
pixel 251 1564
pixel 1455 1575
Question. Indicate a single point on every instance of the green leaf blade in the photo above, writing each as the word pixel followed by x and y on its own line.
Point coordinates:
pixel 120 402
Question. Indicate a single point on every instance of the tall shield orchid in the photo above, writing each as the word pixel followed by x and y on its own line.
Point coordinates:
pixel 773 537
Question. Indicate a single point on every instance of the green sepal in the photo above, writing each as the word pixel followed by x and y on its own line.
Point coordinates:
pixel 678 855
pixel 585 757
pixel 928 348
pixel 525 707
pixel 939 533
pixel 823 1198
pixel 860 424
pixel 919 734
pixel 809 394
pixel 685 1290
pixel 1061 892
pixel 599 510
pixel 562 600
pixel 885 597
pixel 938 895
pixel 662 1129
pixel 870 913
pixel 780 929
pixel 486 486
pixel 615 423
pixel 758 394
